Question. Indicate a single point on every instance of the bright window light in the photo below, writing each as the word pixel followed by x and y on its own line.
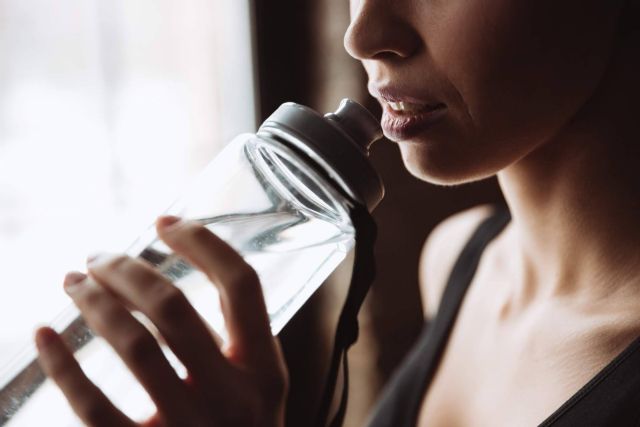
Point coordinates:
pixel 108 108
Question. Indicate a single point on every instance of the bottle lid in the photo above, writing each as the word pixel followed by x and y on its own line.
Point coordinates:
pixel 339 142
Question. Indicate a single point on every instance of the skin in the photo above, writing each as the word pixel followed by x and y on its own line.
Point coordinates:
pixel 543 94
pixel 245 384
pixel 536 93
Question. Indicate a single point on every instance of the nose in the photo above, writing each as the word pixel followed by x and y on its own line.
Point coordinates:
pixel 378 30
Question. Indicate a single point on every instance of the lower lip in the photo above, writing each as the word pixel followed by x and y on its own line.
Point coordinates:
pixel 402 126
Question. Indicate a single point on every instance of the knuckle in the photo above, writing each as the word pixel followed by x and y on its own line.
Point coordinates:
pixel 145 277
pixel 139 348
pixel 171 304
pixel 245 279
pixel 276 385
pixel 60 370
pixel 93 297
pixel 99 308
pixel 94 413
pixel 110 315
pixel 198 233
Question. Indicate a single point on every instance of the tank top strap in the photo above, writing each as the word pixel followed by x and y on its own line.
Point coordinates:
pixel 402 397
pixel 465 267
pixel 611 398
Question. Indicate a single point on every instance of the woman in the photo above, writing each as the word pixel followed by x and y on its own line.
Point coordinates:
pixel 541 93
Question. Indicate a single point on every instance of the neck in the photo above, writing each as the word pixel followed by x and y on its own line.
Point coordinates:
pixel 575 200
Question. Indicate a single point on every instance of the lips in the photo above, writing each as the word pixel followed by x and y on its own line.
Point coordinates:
pixel 405 116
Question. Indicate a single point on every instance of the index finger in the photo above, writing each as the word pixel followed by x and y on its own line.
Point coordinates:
pixel 241 297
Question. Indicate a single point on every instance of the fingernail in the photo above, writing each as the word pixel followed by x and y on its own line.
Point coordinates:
pixel 92 257
pixel 165 221
pixel 73 281
pixel 100 259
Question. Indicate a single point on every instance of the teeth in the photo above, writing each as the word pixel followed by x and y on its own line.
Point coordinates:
pixel 406 106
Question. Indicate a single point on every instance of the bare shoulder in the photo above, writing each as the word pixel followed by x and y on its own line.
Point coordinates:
pixel 441 250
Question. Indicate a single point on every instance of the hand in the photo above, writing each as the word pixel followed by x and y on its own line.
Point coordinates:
pixel 245 385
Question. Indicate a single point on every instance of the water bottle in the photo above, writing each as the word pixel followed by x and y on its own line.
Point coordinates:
pixel 280 197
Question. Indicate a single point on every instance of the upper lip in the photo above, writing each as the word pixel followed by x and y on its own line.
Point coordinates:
pixel 396 94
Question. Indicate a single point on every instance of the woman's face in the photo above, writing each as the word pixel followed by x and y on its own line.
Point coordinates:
pixel 469 87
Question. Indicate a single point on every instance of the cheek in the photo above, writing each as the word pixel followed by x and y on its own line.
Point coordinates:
pixel 522 69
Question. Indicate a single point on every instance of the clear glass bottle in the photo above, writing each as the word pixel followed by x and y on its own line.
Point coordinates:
pixel 280 197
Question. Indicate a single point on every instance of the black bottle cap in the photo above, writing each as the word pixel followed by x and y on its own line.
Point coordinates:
pixel 338 142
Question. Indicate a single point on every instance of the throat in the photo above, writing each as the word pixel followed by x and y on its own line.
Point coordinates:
pixel 574 222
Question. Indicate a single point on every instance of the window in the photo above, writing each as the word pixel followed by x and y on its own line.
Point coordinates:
pixel 107 109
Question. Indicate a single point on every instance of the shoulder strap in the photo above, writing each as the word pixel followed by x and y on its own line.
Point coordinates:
pixel 401 400
pixel 466 265
pixel 611 398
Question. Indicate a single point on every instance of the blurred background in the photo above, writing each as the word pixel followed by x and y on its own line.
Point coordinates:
pixel 108 108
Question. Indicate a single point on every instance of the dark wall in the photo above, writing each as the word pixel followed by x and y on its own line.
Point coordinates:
pixel 286 57
pixel 286 52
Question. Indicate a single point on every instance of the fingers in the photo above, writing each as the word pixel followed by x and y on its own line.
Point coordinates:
pixel 146 290
pixel 133 343
pixel 86 400
pixel 241 296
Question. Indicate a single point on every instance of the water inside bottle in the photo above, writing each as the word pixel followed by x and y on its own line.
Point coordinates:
pixel 272 243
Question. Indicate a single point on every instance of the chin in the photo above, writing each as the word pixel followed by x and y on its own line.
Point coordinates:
pixel 445 169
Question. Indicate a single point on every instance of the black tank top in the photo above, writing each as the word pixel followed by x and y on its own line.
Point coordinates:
pixel 611 398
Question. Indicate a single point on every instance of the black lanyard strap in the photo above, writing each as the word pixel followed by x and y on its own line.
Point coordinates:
pixel 364 272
